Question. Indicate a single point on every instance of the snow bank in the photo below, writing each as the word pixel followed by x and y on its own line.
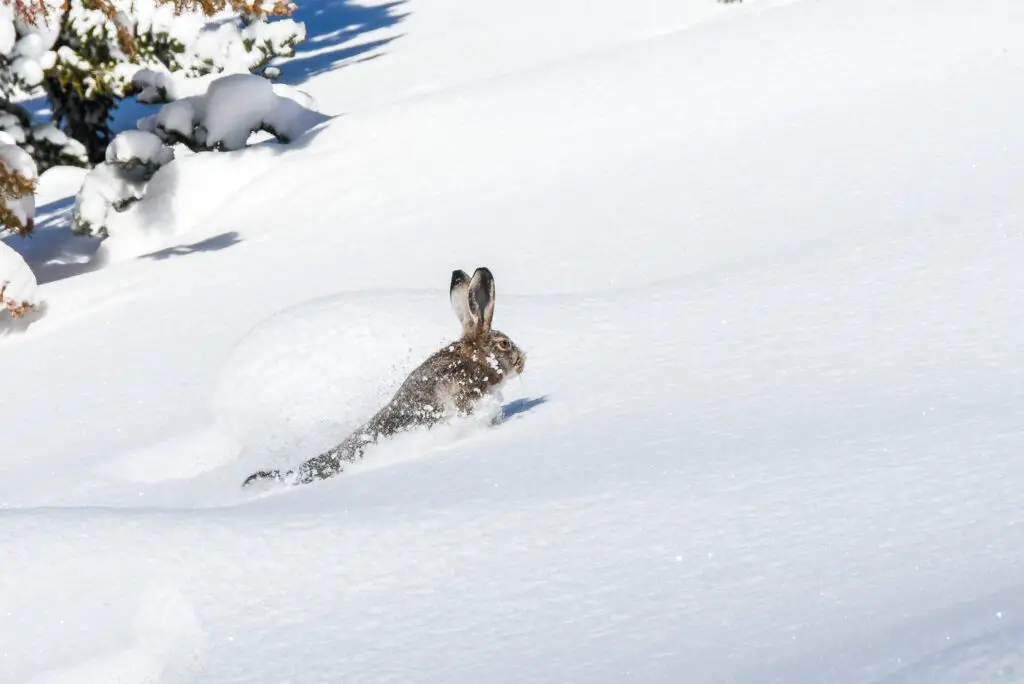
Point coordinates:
pixel 289 386
pixel 133 149
pixel 216 50
pixel 168 648
pixel 233 49
pixel 12 126
pixel 132 159
pixel 44 138
pixel 221 120
pixel 106 189
pixel 16 160
pixel 18 288
pixel 154 85
pixel 233 108
pixel 27 56
pixel 182 197
pixel 239 105
pixel 8 34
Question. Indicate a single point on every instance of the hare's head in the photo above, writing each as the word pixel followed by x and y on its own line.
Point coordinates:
pixel 473 301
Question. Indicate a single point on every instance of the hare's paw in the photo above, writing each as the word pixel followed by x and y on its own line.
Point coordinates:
pixel 265 479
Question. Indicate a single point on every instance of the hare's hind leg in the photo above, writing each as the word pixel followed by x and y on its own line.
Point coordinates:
pixel 275 475
pixel 330 463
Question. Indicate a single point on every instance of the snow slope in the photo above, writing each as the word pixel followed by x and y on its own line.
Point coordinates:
pixel 764 260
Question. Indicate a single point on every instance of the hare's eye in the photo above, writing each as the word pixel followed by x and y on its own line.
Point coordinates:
pixel 503 345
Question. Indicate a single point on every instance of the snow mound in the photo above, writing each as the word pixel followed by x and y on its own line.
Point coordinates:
pixel 233 49
pixel 105 190
pixel 174 122
pixel 8 35
pixel 290 387
pixel 169 648
pixel 132 158
pixel 995 658
pixel 153 85
pixel 241 104
pixel 27 56
pixel 18 287
pixel 19 162
pixel 178 458
pixel 234 107
pixel 139 148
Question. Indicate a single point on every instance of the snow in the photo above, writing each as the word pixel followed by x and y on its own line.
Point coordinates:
pixel 230 48
pixel 46 28
pixel 764 259
pixel 167 647
pixel 138 146
pixel 154 85
pixel 33 46
pixel 132 160
pixel 278 36
pixel 48 132
pixel 28 71
pixel 16 160
pixel 8 36
pixel 240 104
pixel 231 110
pixel 12 126
pixel 105 190
pixel 235 106
pixel 17 282
pixel 176 117
pixel 53 135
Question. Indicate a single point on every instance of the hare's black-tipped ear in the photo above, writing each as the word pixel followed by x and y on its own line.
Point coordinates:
pixel 481 298
pixel 459 294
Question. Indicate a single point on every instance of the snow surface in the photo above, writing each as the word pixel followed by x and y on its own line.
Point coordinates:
pixel 138 146
pixel 237 105
pixel 18 284
pixel 764 259
pixel 106 189
pixel 231 109
pixel 8 35
pixel 16 160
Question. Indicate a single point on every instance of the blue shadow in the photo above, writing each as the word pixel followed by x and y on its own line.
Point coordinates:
pixel 53 252
pixel 211 244
pixel 520 406
pixel 331 25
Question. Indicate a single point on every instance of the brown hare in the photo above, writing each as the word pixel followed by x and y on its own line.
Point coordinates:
pixel 449 383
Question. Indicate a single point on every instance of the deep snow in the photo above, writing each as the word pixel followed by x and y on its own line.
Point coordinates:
pixel 765 261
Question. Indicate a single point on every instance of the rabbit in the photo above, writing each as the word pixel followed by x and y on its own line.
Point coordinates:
pixel 450 382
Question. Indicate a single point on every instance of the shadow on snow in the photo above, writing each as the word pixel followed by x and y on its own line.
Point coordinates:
pixel 520 406
pixel 210 244
pixel 335 36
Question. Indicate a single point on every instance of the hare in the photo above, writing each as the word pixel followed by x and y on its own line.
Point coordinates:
pixel 450 382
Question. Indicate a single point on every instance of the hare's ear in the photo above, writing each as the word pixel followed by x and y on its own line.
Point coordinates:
pixel 459 293
pixel 481 299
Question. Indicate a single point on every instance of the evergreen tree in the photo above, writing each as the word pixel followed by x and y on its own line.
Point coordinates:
pixel 83 53
pixel 17 185
pixel 87 78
